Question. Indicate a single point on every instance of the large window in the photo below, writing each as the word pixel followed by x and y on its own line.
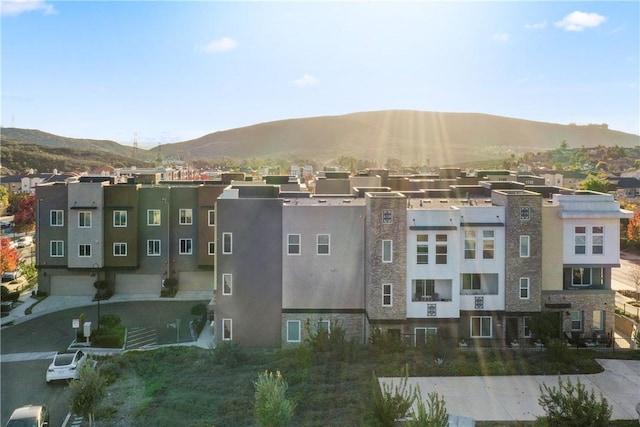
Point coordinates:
pixel 211 215
pixel 525 246
pixel 153 247
pixel 597 240
pixel 227 284
pixel 387 294
pixel 84 250
pixel 186 246
pixel 293 331
pixel 119 249
pixel 227 329
pixel 186 216
pixel 57 218
pixel 580 240
pixel 153 217
pixel 581 277
pixel 387 251
pixel 420 335
pixel 422 249
pixel 488 244
pixel 423 289
pixel 323 242
pixel 227 243
pixel 84 219
pixel 480 327
pixel 293 244
pixel 119 218
pixel 470 244
pixel 441 248
pixel 524 288
pixel 471 282
pixel 56 248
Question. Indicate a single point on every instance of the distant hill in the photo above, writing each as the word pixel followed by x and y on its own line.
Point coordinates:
pixel 415 137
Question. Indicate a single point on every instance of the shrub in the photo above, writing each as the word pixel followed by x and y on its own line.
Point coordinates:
pixel 431 413
pixel 109 371
pixel 272 408
pixel 390 404
pixel 110 320
pixel 557 350
pixel 569 405
pixel 229 354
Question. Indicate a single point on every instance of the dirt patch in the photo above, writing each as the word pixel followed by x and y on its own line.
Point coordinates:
pixel 121 402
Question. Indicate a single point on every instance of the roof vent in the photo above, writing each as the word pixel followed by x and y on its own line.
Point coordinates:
pixel 322 201
pixel 346 201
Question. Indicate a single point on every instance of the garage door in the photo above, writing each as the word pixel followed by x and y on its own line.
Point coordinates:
pixel 138 284
pixel 73 285
pixel 196 281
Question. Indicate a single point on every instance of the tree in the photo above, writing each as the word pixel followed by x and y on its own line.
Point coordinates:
pixel 272 407
pixel 596 183
pixel 25 218
pixel 8 255
pixel 394 164
pixel 87 390
pixel 633 228
pixel 4 198
pixel 571 405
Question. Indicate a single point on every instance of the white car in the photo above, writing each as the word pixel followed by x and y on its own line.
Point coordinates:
pixel 24 241
pixel 29 415
pixel 65 365
pixel 11 275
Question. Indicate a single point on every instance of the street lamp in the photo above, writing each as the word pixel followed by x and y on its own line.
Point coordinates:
pixel 97 297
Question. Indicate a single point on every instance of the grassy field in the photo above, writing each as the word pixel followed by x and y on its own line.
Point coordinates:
pixel 332 386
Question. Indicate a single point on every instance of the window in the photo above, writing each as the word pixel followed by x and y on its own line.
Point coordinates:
pixel 56 248
pixel 84 219
pixel 211 215
pixel 576 320
pixel 293 331
pixel 119 218
pixel 471 282
pixel 387 216
pixel 597 240
pixel 524 288
pixel 525 212
pixel 580 240
pixel 186 247
pixel 153 217
pixel 441 248
pixel 470 244
pixel 57 218
pixel 422 249
pixel 227 243
pixel 488 244
pixel 581 276
pixel 84 250
pixel 323 244
pixel 227 284
pixel 119 249
pixel 526 327
pixel 324 325
pixel 186 216
pixel 480 327
pixel 227 330
pixel 212 248
pixel 153 247
pixel 421 334
pixel 598 320
pixel 293 244
pixel 387 251
pixel 524 246
pixel 387 297
pixel 423 288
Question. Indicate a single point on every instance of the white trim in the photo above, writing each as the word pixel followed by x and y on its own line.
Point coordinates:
pixel 230 322
pixel 230 283
pixel 387 294
pixel 298 328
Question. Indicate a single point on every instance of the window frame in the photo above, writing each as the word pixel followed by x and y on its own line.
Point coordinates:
pixel 84 250
pixel 57 243
pixel 577 320
pixel 488 244
pixel 152 216
pixel 326 322
pixel 422 249
pixel 84 219
pixel 185 216
pixel 481 326
pixel 442 249
pixel 320 245
pixel 470 244
pixel 120 245
pixel 211 218
pixel 471 282
pixel 297 328
pixel 387 251
pixel 294 245
pixel 227 329
pixel 153 242
pixel 185 246
pixel 118 216
pixel 599 236
pixel 580 240
pixel 387 294
pixel 227 284
pixel 525 246
pixel 56 218
pixel 227 243
pixel 524 284
pixel 211 245
pixel 526 327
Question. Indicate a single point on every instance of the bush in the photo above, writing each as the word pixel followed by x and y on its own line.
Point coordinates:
pixel 390 404
pixel 272 408
pixel 229 354
pixel 570 405
pixel 431 413
pixel 110 320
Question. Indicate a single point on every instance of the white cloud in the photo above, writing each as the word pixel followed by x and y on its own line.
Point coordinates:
pixel 222 45
pixel 16 7
pixel 501 37
pixel 306 81
pixel 536 26
pixel 578 21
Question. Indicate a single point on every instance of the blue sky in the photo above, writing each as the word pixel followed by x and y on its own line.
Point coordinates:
pixel 172 71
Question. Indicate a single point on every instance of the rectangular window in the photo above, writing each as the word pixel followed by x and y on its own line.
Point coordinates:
pixel 293 244
pixel 56 248
pixel 471 282
pixel 119 249
pixel 481 327
pixel 597 240
pixel 598 320
pixel 525 212
pixel 212 248
pixel 526 327
pixel 84 250
pixel 524 246
pixel 293 331
pixel 211 215
pixel 441 248
pixel 488 244
pixel 422 249
pixel 387 251
pixel 580 240
pixel 84 219
pixel 470 244
pixel 227 284
pixel 323 244
pixel 186 216
pixel 186 246
pixel 387 296
pixel 424 289
pixel 524 288
pixel 421 334
pixel 153 217
pixel 323 325
pixel 153 247
pixel 119 218
pixel 576 320
pixel 227 243
pixel 57 218
pixel 581 276
pixel 227 330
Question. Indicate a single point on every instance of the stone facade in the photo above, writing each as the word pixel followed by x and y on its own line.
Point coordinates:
pixel 353 325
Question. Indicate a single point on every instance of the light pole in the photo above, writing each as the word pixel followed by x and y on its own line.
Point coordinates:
pixel 97 297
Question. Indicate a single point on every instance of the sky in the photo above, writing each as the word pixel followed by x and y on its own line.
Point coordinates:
pixel 156 72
